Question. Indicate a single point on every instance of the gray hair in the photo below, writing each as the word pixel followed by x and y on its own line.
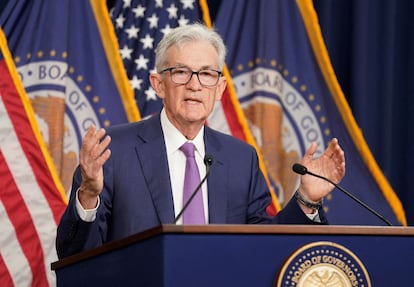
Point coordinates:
pixel 185 34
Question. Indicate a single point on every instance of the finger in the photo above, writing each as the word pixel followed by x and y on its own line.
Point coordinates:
pixel 100 148
pixel 104 157
pixel 90 132
pixel 88 139
pixel 333 148
pixel 337 156
pixel 94 133
pixel 92 138
pixel 337 152
pixel 91 169
pixel 310 152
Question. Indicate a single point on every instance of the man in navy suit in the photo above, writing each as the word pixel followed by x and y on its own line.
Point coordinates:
pixel 130 178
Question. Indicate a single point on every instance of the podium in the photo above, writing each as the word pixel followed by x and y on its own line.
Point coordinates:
pixel 244 255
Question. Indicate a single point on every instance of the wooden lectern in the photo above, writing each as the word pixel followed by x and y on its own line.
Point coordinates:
pixel 243 255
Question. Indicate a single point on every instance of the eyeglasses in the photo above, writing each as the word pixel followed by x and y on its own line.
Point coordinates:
pixel 183 75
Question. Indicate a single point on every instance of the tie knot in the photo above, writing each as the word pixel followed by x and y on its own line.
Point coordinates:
pixel 188 149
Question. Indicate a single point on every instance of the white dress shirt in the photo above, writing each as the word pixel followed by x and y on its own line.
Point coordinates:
pixel 174 139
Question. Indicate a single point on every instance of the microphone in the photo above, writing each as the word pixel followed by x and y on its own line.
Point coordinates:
pixel 208 161
pixel 302 170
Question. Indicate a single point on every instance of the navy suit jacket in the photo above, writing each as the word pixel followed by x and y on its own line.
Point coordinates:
pixel 137 191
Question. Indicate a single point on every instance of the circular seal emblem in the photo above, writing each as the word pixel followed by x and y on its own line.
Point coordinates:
pixel 62 110
pixel 285 117
pixel 323 264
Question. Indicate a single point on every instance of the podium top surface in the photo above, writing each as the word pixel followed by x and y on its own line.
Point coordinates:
pixel 237 229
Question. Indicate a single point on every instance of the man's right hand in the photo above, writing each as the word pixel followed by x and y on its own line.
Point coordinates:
pixel 93 154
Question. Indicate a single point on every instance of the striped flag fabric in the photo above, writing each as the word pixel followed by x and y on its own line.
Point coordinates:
pixel 289 93
pixel 60 72
pixel 31 196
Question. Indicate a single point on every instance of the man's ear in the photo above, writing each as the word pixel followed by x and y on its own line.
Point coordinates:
pixel 157 84
pixel 221 86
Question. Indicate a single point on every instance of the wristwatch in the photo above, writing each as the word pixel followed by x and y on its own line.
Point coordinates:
pixel 308 203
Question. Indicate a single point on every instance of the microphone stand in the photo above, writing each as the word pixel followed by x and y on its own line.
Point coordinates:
pixel 208 161
pixel 301 169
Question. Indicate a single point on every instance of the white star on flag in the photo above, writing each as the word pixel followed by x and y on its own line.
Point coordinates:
pixel 139 26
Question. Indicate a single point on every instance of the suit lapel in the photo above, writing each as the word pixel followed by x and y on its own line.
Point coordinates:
pixel 218 179
pixel 153 158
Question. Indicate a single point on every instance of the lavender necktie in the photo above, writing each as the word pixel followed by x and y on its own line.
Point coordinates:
pixel 194 214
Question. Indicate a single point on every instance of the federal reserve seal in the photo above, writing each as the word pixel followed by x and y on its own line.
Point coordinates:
pixel 323 264
pixel 62 110
pixel 284 118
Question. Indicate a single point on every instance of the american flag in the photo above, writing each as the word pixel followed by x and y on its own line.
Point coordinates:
pixel 139 26
pixel 58 74
pixel 31 196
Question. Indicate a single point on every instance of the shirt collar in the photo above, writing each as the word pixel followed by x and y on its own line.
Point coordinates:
pixel 174 139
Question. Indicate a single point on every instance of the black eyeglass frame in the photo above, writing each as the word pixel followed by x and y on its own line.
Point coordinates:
pixel 170 69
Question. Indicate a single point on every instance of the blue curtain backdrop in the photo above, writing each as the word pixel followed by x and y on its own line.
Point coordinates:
pixel 371 45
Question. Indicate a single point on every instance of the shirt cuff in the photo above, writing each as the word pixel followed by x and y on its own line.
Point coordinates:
pixel 314 216
pixel 88 215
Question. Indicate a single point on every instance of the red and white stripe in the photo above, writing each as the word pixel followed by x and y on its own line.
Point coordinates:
pixel 30 201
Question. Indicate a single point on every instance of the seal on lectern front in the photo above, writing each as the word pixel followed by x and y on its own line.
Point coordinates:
pixel 323 263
